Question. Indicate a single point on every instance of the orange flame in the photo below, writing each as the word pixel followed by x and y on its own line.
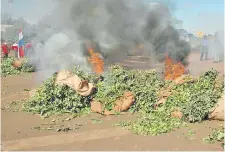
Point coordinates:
pixel 173 71
pixel 96 61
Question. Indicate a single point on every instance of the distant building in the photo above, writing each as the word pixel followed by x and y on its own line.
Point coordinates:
pixel 3 27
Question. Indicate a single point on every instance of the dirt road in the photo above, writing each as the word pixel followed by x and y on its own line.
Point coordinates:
pixel 197 67
pixel 22 131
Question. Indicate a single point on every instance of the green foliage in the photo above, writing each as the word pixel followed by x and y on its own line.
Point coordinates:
pixel 155 123
pixel 84 75
pixel 52 99
pixel 216 136
pixel 26 67
pixel 144 85
pixel 193 99
pixel 7 67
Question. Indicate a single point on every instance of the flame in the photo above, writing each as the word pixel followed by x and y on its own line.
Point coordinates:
pixel 96 61
pixel 172 70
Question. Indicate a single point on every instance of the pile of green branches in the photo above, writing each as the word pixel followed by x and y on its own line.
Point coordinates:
pixel 117 80
pixel 7 67
pixel 193 99
pixel 51 99
pixel 54 99
pixel 216 136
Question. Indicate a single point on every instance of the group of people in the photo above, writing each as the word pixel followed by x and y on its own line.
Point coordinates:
pixel 214 46
pixel 6 48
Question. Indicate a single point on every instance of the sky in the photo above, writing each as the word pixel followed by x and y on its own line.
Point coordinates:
pixel 197 15
pixel 31 10
pixel 201 15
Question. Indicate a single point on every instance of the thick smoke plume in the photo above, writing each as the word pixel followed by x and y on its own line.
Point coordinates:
pixel 118 27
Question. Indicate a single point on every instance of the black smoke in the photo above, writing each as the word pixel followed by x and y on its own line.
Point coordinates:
pixel 116 27
pixel 165 39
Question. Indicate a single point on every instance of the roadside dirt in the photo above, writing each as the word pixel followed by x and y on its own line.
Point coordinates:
pixel 197 67
pixel 23 131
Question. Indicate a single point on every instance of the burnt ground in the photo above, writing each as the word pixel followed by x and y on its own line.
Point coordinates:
pixel 23 131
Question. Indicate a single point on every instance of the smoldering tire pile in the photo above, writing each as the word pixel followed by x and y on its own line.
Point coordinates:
pixel 160 105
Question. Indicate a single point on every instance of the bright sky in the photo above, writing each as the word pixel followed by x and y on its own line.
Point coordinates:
pixel 31 10
pixel 197 15
pixel 201 15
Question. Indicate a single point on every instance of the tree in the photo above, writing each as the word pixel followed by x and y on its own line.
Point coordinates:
pixel 11 33
pixel 6 19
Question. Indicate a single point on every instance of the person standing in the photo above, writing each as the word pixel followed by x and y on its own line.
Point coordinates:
pixel 217 49
pixel 14 47
pixel 204 48
pixel 211 47
pixel 5 49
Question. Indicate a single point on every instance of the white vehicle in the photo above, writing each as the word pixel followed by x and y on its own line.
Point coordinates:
pixel 185 38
